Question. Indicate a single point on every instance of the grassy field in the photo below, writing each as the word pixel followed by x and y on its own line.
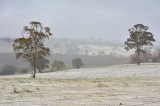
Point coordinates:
pixel 127 91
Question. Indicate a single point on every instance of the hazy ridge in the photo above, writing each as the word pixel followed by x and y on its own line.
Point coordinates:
pixel 93 52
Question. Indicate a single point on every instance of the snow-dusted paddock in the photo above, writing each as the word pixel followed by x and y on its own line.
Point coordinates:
pixel 127 70
pixel 126 85
pixel 107 72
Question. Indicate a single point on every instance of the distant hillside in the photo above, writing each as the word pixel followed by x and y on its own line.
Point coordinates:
pixel 10 59
pixel 92 52
pixel 90 47
pixel 89 61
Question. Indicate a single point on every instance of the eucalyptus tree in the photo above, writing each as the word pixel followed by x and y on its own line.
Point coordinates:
pixel 139 36
pixel 31 45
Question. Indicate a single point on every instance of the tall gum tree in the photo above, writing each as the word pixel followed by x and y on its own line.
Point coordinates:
pixel 31 45
pixel 139 36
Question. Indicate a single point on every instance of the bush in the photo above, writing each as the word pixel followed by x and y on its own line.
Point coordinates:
pixel 24 70
pixel 77 63
pixel 58 64
pixel 8 70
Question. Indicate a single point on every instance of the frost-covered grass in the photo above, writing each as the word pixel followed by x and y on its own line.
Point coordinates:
pixel 107 72
pixel 77 92
pixel 129 85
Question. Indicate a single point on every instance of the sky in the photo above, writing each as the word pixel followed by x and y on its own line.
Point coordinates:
pixel 85 19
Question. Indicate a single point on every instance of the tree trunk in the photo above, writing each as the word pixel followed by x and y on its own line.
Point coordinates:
pixel 138 56
pixel 35 59
pixel 34 73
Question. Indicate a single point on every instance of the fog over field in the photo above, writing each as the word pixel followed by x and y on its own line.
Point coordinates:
pixel 92 52
pixel 79 53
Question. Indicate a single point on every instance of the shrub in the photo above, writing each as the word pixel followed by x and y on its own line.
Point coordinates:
pixel 58 64
pixel 24 70
pixel 77 63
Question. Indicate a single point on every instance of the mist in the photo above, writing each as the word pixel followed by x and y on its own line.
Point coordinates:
pixel 79 52
pixel 100 19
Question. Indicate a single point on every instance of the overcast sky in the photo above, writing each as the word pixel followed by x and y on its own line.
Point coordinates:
pixel 105 19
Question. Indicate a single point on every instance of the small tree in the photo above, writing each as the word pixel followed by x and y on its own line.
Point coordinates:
pixel 23 71
pixel 77 63
pixel 30 46
pixel 139 37
pixel 42 64
pixel 58 64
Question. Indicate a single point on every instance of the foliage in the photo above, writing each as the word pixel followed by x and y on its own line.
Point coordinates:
pixel 24 70
pixel 58 64
pixel 139 37
pixel 42 64
pixel 30 46
pixel 77 63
